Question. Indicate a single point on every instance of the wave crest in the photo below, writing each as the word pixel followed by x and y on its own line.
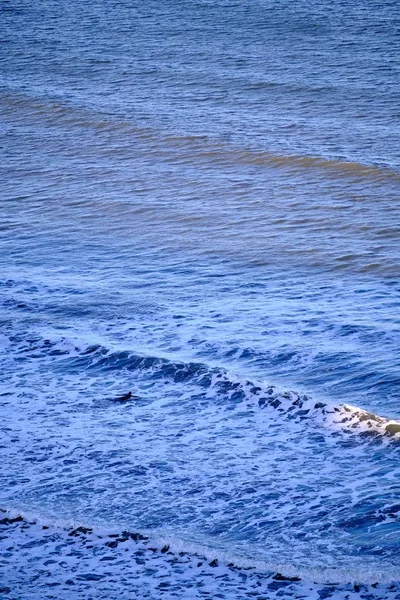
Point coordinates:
pixel 55 537
pixel 186 148
pixel 222 386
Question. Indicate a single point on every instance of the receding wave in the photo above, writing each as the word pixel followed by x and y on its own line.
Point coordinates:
pixel 186 148
pixel 57 537
pixel 222 386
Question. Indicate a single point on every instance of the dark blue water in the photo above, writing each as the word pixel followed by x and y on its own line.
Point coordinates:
pixel 199 203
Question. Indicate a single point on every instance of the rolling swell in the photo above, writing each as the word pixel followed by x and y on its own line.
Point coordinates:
pixel 184 149
pixel 221 386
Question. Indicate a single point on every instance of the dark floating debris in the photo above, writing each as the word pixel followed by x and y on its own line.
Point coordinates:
pixel 125 397
pixel 213 563
pixel 10 520
pixel 280 577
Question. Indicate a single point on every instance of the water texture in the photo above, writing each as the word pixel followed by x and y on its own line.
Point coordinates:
pixel 200 205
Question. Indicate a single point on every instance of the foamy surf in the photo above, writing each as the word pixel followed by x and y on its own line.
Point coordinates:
pixel 201 453
pixel 74 560
pixel 217 384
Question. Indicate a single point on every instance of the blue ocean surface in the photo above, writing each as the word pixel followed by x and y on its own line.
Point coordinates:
pixel 200 205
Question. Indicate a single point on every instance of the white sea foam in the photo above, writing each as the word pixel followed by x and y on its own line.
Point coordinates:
pixel 255 472
pixel 52 534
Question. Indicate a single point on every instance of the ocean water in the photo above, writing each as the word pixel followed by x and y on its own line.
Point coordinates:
pixel 200 204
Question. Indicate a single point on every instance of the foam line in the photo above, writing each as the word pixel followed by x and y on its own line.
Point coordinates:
pixel 37 553
pixel 223 385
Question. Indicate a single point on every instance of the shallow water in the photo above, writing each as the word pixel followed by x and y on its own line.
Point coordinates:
pixel 200 204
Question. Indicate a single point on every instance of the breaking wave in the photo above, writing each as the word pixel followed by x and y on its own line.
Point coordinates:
pixel 217 385
pixel 46 530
